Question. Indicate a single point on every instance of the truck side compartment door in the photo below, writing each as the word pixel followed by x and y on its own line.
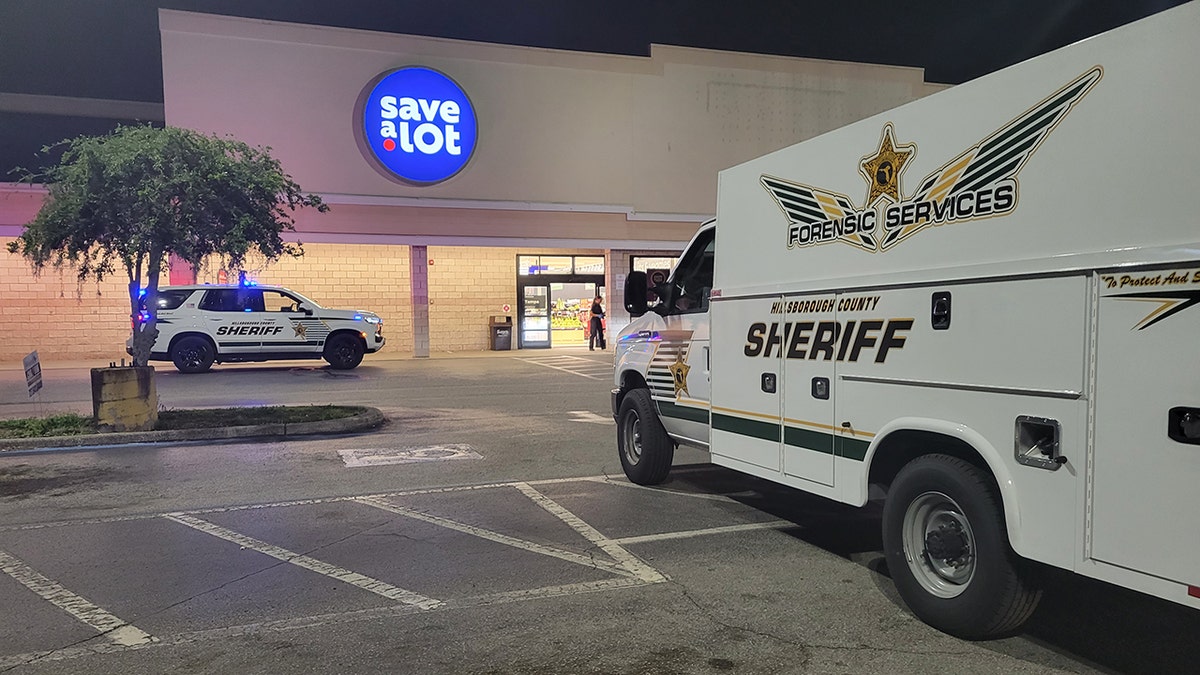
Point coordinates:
pixel 1146 514
pixel 746 386
pixel 808 343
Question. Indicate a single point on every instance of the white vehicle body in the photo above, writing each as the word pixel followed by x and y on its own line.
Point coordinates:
pixel 204 324
pixel 1007 271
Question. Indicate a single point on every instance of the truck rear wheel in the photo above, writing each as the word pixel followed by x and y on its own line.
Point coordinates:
pixel 645 448
pixel 948 552
pixel 192 354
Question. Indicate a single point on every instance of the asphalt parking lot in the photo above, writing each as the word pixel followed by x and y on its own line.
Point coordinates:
pixel 486 529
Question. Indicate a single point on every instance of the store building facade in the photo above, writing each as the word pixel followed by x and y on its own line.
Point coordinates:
pixel 467 180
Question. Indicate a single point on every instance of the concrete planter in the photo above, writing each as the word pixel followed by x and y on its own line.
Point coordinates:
pixel 125 399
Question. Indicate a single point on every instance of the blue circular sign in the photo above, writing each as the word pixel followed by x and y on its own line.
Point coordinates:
pixel 416 125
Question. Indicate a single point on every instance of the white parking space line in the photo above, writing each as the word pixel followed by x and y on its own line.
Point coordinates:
pixel 606 480
pixel 576 365
pixel 497 537
pixel 626 559
pixel 589 417
pixel 629 570
pixel 687 534
pixel 116 630
pixel 321 621
pixel 300 560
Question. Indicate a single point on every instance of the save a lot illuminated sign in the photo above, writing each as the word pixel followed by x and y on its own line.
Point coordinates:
pixel 416 125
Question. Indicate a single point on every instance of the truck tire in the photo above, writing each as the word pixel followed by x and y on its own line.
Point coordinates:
pixel 645 448
pixel 948 552
pixel 192 354
pixel 344 351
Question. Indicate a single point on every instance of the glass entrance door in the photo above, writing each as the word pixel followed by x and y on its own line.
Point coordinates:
pixel 571 312
pixel 535 317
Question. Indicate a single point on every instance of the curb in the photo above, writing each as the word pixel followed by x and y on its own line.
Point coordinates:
pixel 370 418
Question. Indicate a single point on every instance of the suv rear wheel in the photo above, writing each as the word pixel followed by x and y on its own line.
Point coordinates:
pixel 344 351
pixel 192 354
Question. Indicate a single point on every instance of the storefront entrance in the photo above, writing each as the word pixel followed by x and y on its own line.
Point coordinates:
pixel 554 299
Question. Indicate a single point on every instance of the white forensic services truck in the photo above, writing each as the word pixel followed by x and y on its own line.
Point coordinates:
pixel 982 307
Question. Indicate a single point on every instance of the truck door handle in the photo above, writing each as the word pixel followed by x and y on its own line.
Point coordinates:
pixel 1183 425
pixel 768 382
pixel 939 313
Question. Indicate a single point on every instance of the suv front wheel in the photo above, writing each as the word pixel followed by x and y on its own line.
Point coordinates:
pixel 344 351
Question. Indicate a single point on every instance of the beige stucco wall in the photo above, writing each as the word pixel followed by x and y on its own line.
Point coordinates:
pixel 644 134
pixel 65 320
pixel 577 153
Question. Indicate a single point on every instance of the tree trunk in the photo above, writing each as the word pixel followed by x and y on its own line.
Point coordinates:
pixel 144 324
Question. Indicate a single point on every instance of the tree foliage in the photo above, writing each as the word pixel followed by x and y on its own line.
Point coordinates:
pixel 131 198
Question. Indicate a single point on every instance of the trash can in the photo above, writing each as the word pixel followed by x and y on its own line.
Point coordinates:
pixel 500 331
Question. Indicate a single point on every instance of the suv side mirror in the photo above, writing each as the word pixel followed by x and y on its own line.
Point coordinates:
pixel 303 308
pixel 635 294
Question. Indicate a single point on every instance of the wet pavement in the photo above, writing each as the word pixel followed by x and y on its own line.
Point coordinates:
pixel 490 532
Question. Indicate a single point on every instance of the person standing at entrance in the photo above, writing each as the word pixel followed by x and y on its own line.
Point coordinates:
pixel 596 329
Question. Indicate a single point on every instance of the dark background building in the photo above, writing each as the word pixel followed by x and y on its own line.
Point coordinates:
pixel 71 67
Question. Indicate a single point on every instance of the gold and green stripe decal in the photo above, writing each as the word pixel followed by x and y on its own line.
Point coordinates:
pixel 682 412
pixel 798 437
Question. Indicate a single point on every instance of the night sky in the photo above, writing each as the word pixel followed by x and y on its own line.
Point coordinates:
pixel 110 48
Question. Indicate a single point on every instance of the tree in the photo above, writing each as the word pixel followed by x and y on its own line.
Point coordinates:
pixel 133 197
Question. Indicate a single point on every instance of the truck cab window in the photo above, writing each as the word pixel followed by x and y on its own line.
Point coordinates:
pixel 693 277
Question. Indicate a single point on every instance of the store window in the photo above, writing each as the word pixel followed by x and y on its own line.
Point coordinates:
pixel 642 263
pixel 527 265
pixel 556 264
pixel 534 265
pixel 554 298
pixel 589 264
pixel 657 269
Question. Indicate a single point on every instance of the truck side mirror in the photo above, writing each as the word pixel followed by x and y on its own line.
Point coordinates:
pixel 635 294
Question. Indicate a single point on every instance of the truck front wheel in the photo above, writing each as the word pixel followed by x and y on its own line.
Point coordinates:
pixel 948 552
pixel 645 448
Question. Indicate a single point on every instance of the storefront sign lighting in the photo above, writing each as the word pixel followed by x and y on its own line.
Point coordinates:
pixel 416 125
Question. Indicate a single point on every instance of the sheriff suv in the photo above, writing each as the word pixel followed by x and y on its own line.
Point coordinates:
pixel 202 325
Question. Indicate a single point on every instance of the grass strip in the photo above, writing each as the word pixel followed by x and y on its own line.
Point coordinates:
pixel 74 425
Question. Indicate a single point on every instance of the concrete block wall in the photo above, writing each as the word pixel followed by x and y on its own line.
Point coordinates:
pixel 468 285
pixel 61 318
pixel 67 321
pixel 346 276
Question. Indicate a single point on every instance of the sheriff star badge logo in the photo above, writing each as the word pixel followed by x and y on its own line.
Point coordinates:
pixel 979 183
pixel 679 372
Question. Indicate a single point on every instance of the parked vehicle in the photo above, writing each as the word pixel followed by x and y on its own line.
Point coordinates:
pixel 1003 349
pixel 202 325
